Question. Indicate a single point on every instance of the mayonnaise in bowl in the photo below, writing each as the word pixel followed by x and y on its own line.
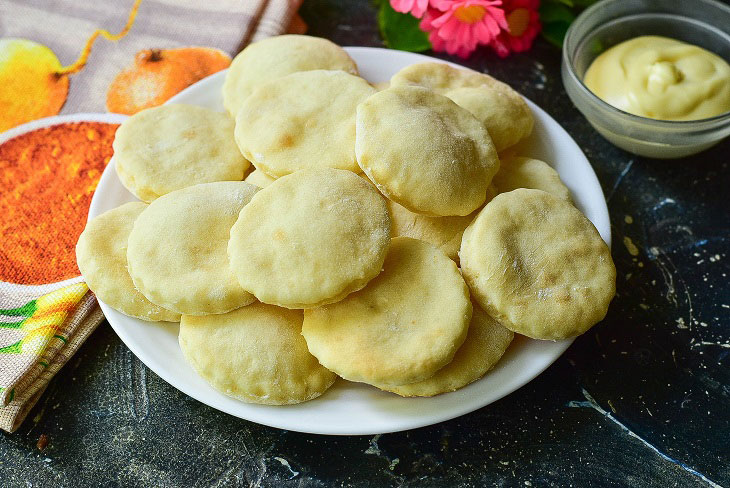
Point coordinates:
pixel 661 78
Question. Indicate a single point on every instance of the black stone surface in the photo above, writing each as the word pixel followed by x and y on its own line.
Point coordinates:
pixel 643 399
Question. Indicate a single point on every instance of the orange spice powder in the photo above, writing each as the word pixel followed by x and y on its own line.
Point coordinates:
pixel 47 178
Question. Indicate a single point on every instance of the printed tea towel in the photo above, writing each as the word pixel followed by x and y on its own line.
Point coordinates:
pixel 65 57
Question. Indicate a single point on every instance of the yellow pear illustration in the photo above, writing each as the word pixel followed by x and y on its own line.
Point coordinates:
pixel 33 82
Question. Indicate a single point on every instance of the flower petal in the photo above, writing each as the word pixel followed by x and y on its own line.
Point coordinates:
pixel 419 8
pixel 482 33
pixel 402 6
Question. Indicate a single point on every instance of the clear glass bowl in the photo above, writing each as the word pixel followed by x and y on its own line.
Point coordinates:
pixel 705 23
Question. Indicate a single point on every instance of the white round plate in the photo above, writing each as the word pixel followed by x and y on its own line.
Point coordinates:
pixel 354 408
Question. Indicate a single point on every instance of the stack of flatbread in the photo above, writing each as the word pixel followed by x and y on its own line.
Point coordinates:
pixel 387 236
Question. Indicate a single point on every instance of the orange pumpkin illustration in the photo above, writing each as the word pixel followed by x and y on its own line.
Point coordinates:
pixel 158 74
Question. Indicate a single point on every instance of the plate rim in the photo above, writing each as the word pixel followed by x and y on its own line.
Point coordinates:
pixel 405 423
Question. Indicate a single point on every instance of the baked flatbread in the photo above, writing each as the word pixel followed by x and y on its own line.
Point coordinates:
pixel 536 264
pixel 177 249
pixel 405 325
pixel 256 354
pixel 163 149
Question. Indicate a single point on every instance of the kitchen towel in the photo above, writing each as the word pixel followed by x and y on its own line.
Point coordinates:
pixel 64 57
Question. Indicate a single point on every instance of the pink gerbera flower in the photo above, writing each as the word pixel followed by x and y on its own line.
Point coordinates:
pixel 524 26
pixel 459 26
pixel 414 7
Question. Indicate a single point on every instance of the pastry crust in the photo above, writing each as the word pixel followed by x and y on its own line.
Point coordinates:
pixel 310 238
pixel 101 254
pixel 536 264
pixel 256 354
pixel 484 346
pixel 302 120
pixel 167 148
pixel 443 232
pixel 501 109
pixel 519 172
pixel 259 178
pixel 401 328
pixel 279 56
pixel 425 152
pixel 177 249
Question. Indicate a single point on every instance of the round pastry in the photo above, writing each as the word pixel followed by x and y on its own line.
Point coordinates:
pixel 483 347
pixel 501 109
pixel 279 56
pixel 405 325
pixel 310 238
pixel 536 264
pixel 259 178
pixel 302 120
pixel 177 249
pixel 256 354
pixel 167 148
pixel 424 152
pixel 101 254
pixel 518 172
pixel 443 232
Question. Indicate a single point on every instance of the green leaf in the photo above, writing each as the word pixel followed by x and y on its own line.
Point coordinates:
pixel 596 47
pixel 16 348
pixel 25 311
pixel 556 18
pixel 12 325
pixel 554 32
pixel 553 12
pixel 569 3
pixel 401 31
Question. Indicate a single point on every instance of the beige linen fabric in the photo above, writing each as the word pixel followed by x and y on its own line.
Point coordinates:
pixel 28 366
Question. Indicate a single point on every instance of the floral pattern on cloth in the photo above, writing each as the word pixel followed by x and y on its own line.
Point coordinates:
pixel 48 178
pixel 37 337
pixel 27 331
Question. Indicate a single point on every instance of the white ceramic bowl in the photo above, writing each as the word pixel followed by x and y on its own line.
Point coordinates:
pixel 705 23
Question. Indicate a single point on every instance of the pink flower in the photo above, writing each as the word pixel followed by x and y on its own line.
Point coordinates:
pixel 459 26
pixel 524 26
pixel 414 7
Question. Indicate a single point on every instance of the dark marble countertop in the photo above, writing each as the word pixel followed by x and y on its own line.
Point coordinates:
pixel 642 399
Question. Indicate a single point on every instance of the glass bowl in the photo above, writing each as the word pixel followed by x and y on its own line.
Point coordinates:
pixel 705 23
